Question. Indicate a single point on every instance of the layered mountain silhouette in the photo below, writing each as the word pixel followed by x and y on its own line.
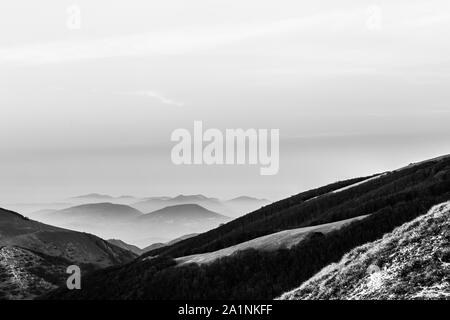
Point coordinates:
pixel 93 196
pixel 96 211
pixel 102 219
pixel 232 208
pixel 188 213
pixel 113 216
pixel 110 220
pixel 245 265
pixel 98 198
pixel 177 221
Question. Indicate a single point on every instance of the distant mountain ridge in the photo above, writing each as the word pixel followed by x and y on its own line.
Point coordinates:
pixel 98 198
pixel 93 195
pixel 109 220
pixel 154 204
pixel 103 219
pixel 246 198
pixel 100 210
pixel 184 211
pixel 232 208
pixel 112 217
pixel 178 220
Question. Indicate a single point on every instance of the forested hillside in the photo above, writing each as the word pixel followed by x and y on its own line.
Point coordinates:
pixel 391 200
pixel 318 206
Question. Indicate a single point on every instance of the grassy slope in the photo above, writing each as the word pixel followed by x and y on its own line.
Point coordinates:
pixel 82 248
pixel 25 274
pixel 279 240
pixel 234 232
pixel 412 262
pixel 320 206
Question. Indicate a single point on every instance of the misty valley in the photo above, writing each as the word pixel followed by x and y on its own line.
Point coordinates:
pixel 391 226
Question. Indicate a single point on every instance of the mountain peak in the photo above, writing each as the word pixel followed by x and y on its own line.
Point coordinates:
pixel 93 195
pixel 180 208
pixel 192 196
pixel 97 208
pixel 247 198
pixel 189 210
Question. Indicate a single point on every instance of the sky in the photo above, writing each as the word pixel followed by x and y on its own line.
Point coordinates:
pixel 89 105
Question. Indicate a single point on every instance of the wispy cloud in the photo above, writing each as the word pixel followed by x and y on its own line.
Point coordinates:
pixel 155 95
pixel 152 94
pixel 177 41
pixel 194 39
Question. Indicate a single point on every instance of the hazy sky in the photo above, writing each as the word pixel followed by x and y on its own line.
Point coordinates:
pixel 355 87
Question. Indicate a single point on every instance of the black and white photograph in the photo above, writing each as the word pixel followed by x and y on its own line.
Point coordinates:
pixel 233 157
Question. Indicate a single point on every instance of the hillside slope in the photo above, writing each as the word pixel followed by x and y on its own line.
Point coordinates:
pixel 121 244
pixel 158 245
pixel 25 274
pixel 412 262
pixel 77 247
pixel 272 242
